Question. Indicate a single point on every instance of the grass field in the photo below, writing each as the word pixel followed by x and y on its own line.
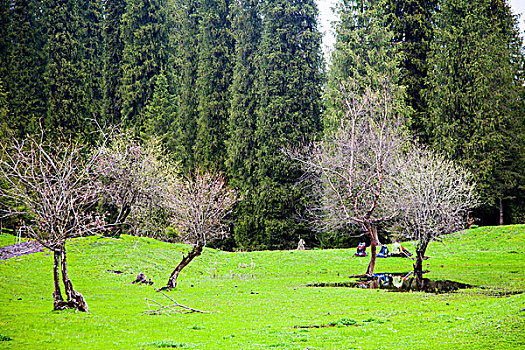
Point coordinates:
pixel 261 300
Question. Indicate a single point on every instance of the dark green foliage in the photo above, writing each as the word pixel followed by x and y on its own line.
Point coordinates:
pixel 476 94
pixel 4 337
pixel 92 46
pixel 363 51
pixel 412 26
pixel 214 77
pixel 66 114
pixel 241 147
pixel 113 48
pixel 184 65
pixel 54 59
pixel 289 77
pixel 5 126
pixel 27 62
pixel 246 29
pixel 159 111
pixel 145 37
pixel 5 27
pixel 363 55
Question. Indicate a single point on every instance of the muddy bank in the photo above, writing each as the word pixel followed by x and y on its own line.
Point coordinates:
pixel 399 282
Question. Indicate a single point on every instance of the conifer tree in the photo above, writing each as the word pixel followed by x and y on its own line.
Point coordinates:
pixel 363 55
pixel 27 61
pixel 66 114
pixel 92 49
pixel 183 73
pixel 241 147
pixel 246 29
pixel 112 73
pixel 411 23
pixel 289 77
pixel 475 94
pixel 5 26
pixel 159 111
pixel 145 37
pixel 214 77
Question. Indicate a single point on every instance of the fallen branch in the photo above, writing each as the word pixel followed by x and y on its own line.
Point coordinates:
pixel 168 309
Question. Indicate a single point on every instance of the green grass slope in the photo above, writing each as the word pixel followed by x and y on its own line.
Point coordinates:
pixel 260 300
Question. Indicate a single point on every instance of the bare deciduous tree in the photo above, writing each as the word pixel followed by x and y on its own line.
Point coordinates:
pixel 353 169
pixel 54 187
pixel 135 178
pixel 436 195
pixel 199 203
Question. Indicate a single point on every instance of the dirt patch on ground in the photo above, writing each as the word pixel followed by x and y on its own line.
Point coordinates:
pixel 24 248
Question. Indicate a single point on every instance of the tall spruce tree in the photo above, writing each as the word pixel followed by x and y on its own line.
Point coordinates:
pixel 214 76
pixel 474 95
pixel 27 62
pixel 363 55
pixel 289 78
pixel 5 27
pixel 158 113
pixel 246 29
pixel 241 144
pixel 145 38
pixel 74 66
pixel 66 113
pixel 91 14
pixel 411 23
pixel 113 50
pixel 183 73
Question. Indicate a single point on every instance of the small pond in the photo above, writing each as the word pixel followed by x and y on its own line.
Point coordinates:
pixel 398 282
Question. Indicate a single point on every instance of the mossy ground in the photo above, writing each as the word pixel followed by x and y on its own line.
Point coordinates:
pixel 261 301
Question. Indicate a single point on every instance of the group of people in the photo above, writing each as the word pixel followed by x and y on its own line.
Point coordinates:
pixel 397 251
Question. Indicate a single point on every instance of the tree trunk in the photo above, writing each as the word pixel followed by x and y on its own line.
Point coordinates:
pixel 501 211
pixel 374 242
pixel 119 223
pixel 74 298
pixel 58 300
pixel 172 281
pixel 418 266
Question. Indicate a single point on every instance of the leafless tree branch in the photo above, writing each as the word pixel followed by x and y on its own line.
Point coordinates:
pixel 198 204
pixel 351 171
pixel 55 188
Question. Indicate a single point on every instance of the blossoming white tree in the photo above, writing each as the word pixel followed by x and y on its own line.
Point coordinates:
pixel 435 195
pixel 135 177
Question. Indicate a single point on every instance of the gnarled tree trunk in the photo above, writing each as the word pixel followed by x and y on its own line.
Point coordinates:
pixel 119 223
pixel 374 242
pixel 74 300
pixel 420 255
pixel 172 281
pixel 58 300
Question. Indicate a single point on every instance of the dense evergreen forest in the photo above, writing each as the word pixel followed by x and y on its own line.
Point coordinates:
pixel 228 84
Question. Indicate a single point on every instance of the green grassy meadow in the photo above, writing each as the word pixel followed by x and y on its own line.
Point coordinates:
pixel 260 300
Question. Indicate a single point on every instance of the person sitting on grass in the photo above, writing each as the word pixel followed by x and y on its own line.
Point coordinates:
pixel 399 251
pixel 383 252
pixel 361 250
